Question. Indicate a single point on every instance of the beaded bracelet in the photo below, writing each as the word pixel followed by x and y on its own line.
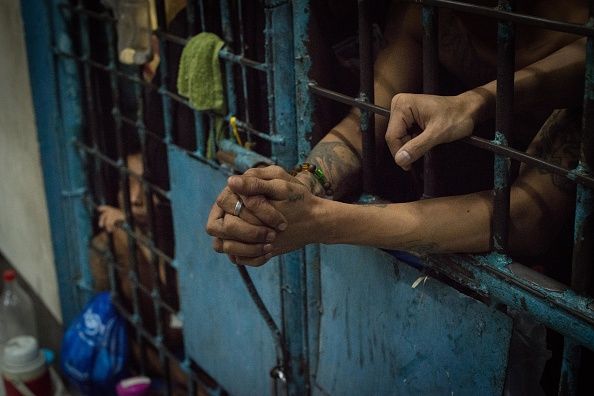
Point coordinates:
pixel 318 174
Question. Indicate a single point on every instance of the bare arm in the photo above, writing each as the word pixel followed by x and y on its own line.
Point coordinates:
pixel 540 202
pixel 397 69
pixel 552 82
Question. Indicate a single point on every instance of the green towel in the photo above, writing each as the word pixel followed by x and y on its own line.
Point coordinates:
pixel 200 80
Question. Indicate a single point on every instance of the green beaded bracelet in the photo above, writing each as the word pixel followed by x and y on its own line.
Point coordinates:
pixel 318 174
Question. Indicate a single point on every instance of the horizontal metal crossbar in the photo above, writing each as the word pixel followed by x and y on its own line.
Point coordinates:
pixel 513 284
pixel 528 20
pixel 576 175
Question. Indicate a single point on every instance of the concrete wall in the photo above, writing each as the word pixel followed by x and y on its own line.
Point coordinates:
pixel 24 226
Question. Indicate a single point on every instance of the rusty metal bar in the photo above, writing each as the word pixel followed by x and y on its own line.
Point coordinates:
pixel 583 239
pixel 366 94
pixel 496 13
pixel 503 123
pixel 431 161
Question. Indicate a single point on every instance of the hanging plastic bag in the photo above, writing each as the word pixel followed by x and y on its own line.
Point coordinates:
pixel 95 347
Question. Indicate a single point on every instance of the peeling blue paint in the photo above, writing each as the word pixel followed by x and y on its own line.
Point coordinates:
pixel 55 87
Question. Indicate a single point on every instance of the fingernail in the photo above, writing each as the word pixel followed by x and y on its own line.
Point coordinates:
pixel 268 256
pixel 267 248
pixel 270 236
pixel 282 226
pixel 402 157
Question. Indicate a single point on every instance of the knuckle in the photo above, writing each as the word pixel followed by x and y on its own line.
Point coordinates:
pixel 255 202
pixel 220 201
pixel 261 234
pixel 277 170
pixel 217 245
pixel 395 99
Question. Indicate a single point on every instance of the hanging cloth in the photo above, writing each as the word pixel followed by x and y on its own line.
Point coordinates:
pixel 200 80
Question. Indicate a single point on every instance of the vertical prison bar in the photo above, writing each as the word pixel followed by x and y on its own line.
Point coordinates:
pixel 164 70
pixel 227 24
pixel 503 122
pixel 281 82
pixel 117 120
pixel 153 263
pixel 90 109
pixel 366 94
pixel 581 266
pixel 193 30
pixel 429 20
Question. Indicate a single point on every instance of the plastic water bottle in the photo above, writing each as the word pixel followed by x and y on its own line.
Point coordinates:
pixel 17 313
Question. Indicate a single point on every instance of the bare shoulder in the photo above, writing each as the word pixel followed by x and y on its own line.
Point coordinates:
pixel 404 18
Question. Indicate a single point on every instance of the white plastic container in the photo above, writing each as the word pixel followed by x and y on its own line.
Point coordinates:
pixel 24 370
pixel 17 313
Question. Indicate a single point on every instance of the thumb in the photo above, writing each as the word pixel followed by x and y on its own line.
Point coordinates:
pixel 416 148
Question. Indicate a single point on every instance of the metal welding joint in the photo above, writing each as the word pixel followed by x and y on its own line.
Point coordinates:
pixel 238 207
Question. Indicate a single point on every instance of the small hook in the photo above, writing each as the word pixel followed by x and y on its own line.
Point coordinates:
pixel 233 123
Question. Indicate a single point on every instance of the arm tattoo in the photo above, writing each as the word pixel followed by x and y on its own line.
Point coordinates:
pixel 558 142
pixel 295 197
pixel 340 165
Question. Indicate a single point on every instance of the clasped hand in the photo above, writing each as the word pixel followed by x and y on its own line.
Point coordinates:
pixel 280 213
pixel 277 216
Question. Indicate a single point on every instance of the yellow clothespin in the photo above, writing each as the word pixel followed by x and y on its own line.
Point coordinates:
pixel 233 123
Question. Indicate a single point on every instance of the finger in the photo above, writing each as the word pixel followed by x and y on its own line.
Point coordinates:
pixel 247 185
pixel 102 208
pixel 109 225
pixel 215 214
pixel 249 250
pixel 416 147
pixel 265 212
pixel 227 201
pixel 401 120
pixel 234 228
pixel 269 173
pixel 252 262
pixel 217 245
pixel 101 222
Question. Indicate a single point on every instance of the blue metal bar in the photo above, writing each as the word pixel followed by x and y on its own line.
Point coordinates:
pixel 503 123
pixel 56 100
pixel 228 37
pixel 366 94
pixel 281 85
pixel 431 162
pixel 246 100
pixel 202 16
pixel 190 19
pixel 164 72
pixel 117 117
pixel 550 302
pixel 304 107
pixel 496 13
pixel 583 245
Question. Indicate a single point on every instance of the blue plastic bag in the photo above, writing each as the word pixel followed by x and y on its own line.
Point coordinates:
pixel 95 347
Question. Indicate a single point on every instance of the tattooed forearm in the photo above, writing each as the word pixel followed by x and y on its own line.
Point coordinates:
pixel 340 164
pixel 558 142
